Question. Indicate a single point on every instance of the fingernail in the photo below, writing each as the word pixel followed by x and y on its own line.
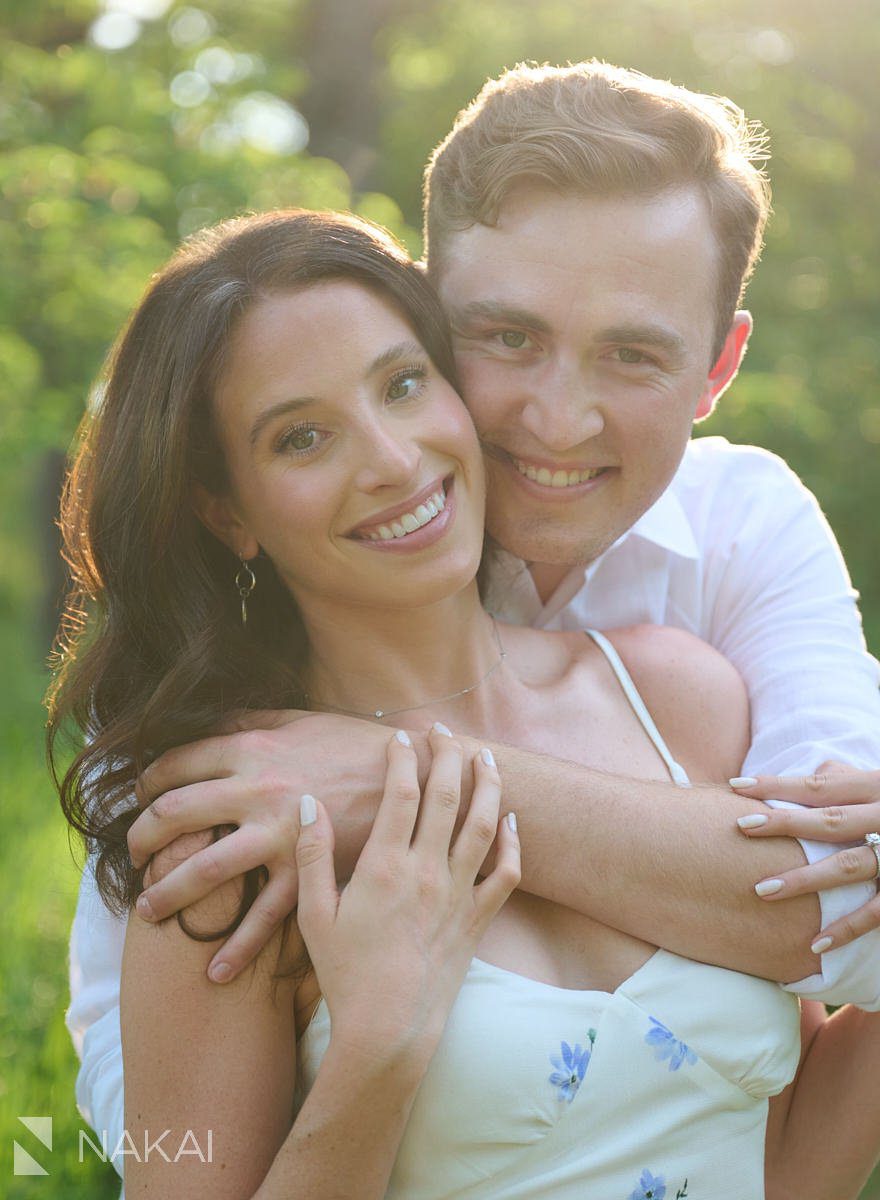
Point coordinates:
pixel 488 758
pixel 752 821
pixel 768 887
pixel 511 821
pixel 743 781
pixel 439 727
pixel 144 907
pixel 220 972
pixel 308 810
pixel 403 737
pixel 821 945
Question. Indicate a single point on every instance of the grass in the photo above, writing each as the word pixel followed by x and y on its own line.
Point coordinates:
pixel 40 879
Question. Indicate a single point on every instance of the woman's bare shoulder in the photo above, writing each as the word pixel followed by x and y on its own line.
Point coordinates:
pixel 695 695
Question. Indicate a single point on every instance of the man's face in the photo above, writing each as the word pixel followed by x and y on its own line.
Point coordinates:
pixel 584 334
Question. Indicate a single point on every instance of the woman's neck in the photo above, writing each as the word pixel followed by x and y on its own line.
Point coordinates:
pixel 366 661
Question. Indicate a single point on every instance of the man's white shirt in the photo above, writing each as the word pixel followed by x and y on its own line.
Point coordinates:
pixel 736 551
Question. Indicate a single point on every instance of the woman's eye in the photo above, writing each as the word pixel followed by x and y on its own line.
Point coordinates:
pixel 300 440
pixel 406 385
pixel 514 339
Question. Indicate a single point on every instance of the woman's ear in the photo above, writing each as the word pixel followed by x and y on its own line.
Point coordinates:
pixel 218 514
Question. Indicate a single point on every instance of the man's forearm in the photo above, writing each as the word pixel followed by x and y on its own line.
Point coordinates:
pixel 660 862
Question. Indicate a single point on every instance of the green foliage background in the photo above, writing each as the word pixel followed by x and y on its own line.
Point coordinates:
pixel 101 171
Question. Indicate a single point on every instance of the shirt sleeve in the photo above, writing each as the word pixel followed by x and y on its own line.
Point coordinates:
pixel 97 941
pixel 785 614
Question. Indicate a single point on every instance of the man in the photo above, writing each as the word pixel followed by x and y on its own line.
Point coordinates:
pixel 590 232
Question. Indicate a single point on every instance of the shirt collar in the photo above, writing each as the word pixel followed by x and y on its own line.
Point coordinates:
pixel 666 525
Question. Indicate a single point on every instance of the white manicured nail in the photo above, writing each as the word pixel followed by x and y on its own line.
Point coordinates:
pixel 821 945
pixel 511 822
pixel 308 810
pixel 752 821
pixel 488 757
pixel 439 727
pixel 768 887
pixel 743 781
pixel 403 737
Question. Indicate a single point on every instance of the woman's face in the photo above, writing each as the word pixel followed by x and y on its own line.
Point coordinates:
pixel 352 462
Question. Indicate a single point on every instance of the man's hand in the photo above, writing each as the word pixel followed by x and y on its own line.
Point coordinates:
pixel 253 778
pixel 841 804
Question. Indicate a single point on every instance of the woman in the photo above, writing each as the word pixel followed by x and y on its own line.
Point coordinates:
pixel 280 501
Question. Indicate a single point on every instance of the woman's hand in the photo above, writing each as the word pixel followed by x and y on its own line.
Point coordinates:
pixel 391 951
pixel 841 805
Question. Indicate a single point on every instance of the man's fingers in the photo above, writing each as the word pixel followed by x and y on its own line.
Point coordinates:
pixel 183 810
pixel 824 789
pixel 480 826
pixel 183 765
pixel 838 823
pixel 442 795
pixel 856 864
pixel 318 894
pixel 260 718
pixel 200 874
pixel 396 818
pixel 275 902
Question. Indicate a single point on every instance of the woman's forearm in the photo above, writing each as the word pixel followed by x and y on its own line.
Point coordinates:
pixel 346 1136
pixel 829 1141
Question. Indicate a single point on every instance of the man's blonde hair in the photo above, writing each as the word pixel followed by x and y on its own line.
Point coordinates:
pixel 599 130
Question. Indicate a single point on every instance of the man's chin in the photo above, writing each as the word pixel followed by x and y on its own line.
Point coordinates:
pixel 549 546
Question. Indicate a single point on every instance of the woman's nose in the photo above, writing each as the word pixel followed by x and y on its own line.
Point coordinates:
pixel 390 458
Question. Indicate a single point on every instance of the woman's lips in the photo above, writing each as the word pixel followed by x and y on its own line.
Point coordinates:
pixel 413 529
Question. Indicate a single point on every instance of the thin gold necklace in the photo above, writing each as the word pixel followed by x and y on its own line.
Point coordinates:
pixel 384 712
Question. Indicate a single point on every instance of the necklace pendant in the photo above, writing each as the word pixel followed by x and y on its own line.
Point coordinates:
pixel 378 714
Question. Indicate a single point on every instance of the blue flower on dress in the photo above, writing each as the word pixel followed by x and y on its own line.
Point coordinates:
pixel 667 1046
pixel 649 1187
pixel 571 1066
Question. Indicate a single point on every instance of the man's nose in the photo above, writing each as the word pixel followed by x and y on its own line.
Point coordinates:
pixel 563 409
pixel 388 458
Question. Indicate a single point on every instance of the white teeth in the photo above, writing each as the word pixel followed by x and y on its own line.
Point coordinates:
pixel 410 522
pixel 556 479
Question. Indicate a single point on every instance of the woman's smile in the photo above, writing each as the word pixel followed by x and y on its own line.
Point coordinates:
pixel 420 522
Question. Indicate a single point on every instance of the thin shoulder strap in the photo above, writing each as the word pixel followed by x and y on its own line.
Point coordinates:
pixel 676 770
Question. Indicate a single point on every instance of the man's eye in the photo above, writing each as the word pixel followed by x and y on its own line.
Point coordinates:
pixel 627 354
pixel 406 385
pixel 514 339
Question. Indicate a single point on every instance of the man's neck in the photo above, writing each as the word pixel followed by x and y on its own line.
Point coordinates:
pixel 547 578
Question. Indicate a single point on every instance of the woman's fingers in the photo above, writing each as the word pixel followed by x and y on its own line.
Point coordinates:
pixel 837 823
pixel 847 929
pixel 857 864
pixel 830 786
pixel 275 902
pixel 318 893
pixel 495 889
pixel 440 803
pixel 396 818
pixel 475 838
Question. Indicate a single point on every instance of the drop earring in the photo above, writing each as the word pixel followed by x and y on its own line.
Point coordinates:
pixel 245 582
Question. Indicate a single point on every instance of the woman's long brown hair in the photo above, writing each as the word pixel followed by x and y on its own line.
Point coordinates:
pixel 151 651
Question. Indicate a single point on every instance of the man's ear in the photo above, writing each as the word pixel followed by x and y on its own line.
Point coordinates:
pixel 727 364
pixel 218 514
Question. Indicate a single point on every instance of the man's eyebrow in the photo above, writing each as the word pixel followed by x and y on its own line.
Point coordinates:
pixel 644 335
pixel 496 310
pixel 395 353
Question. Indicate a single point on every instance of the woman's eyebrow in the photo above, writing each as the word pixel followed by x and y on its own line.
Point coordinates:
pixel 393 353
pixel 496 310
pixel 277 410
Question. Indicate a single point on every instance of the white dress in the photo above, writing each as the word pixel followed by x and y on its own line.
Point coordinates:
pixel 655 1091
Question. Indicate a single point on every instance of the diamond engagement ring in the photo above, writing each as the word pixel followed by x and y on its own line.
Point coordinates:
pixel 873 840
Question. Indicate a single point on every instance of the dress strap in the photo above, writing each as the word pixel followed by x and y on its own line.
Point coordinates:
pixel 676 770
